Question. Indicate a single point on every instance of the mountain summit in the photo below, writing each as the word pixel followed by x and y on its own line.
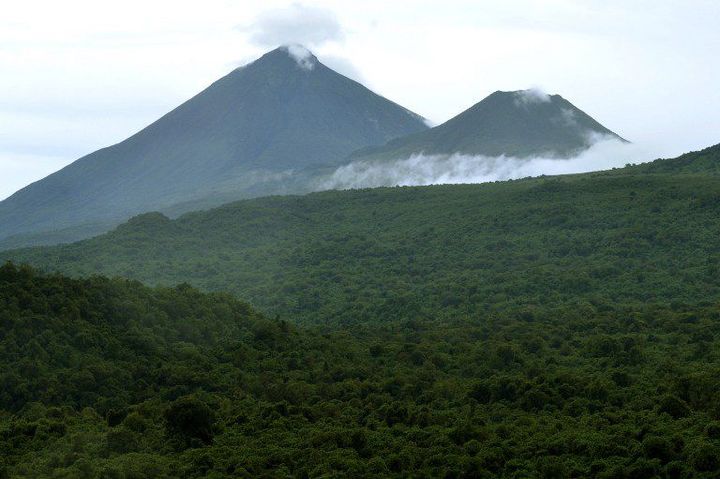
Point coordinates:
pixel 284 112
pixel 521 123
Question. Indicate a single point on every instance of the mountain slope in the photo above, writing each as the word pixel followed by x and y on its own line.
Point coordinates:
pixel 242 135
pixel 520 124
pixel 355 256
pixel 705 161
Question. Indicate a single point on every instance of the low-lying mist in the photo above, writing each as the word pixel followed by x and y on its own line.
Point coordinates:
pixel 420 169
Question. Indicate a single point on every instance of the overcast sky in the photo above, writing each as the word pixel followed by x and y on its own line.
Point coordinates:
pixel 78 75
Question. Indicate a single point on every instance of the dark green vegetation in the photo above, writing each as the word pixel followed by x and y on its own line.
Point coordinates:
pixel 706 162
pixel 238 138
pixel 109 379
pixel 342 258
pixel 521 124
pixel 560 327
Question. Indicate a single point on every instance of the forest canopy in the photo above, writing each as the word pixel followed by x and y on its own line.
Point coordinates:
pixel 337 259
pixel 109 378
pixel 551 328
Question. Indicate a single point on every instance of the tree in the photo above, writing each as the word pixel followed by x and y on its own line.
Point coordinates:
pixel 190 421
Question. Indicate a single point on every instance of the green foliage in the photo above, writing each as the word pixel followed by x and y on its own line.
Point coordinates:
pixel 706 162
pixel 408 254
pixel 555 328
pixel 111 379
pixel 190 420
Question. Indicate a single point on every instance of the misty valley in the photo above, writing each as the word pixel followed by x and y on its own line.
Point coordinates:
pixel 291 276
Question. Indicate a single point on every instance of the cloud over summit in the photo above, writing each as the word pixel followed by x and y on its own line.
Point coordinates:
pixel 531 96
pixel 301 55
pixel 296 24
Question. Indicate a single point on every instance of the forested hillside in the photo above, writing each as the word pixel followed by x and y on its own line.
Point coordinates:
pixel 558 327
pixel 372 256
pixel 706 161
pixel 110 379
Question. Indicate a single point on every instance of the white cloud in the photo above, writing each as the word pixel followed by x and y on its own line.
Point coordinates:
pixel 420 169
pixel 301 26
pixel 302 56
pixel 295 24
pixel 531 96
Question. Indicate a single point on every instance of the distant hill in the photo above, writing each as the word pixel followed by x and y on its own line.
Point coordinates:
pixel 344 257
pixel 706 161
pixel 520 123
pixel 243 136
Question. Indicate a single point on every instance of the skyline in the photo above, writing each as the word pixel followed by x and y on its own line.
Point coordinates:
pixel 81 78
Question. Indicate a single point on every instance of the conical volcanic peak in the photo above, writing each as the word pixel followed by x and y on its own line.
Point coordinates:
pixel 287 57
pixel 522 123
pixel 302 56
pixel 242 136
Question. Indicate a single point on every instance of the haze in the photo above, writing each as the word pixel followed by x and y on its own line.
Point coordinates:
pixel 77 76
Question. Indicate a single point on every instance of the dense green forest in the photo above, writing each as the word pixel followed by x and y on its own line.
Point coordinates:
pixel 111 379
pixel 371 256
pixel 563 327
